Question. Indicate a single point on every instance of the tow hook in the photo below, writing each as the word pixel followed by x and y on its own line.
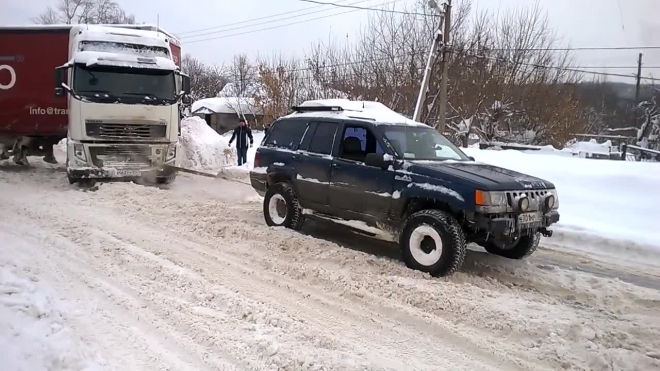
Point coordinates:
pixel 546 232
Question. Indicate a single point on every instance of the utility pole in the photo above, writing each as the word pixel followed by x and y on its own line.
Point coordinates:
pixel 445 69
pixel 423 90
pixel 639 78
pixel 637 88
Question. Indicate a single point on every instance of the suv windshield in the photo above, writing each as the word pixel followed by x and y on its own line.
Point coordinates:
pixel 421 143
pixel 130 85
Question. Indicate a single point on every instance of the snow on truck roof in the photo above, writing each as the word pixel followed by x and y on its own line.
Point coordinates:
pixel 374 112
pixel 147 30
pixel 90 58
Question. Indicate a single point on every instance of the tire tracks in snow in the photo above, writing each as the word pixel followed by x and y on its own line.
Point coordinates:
pixel 330 313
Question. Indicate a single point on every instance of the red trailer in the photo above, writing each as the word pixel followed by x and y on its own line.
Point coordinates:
pixel 28 105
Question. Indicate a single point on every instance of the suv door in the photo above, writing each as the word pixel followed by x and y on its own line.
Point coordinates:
pixel 313 163
pixel 355 186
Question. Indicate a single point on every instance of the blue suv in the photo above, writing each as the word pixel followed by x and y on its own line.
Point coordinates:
pixel 370 164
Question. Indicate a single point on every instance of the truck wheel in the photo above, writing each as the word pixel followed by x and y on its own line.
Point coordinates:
pixel 432 241
pixel 519 248
pixel 281 207
pixel 166 179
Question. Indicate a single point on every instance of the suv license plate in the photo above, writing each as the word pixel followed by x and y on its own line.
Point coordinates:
pixel 129 172
pixel 529 218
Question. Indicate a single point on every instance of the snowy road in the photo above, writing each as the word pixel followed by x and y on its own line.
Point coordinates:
pixel 190 278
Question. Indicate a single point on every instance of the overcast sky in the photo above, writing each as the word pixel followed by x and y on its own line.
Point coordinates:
pixel 580 23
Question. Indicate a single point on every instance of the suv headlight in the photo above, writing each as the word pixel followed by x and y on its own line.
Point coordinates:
pixel 171 152
pixel 490 202
pixel 551 200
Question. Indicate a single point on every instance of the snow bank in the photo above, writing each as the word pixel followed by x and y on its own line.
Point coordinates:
pixel 33 335
pixel 615 199
pixel 203 148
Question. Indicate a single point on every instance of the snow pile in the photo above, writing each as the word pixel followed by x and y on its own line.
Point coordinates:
pixel 615 199
pixel 203 148
pixel 32 331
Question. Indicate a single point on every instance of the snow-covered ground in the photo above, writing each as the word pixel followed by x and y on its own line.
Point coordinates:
pixel 188 277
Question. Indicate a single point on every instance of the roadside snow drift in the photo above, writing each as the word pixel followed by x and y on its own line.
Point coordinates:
pixel 203 148
pixel 615 199
pixel 33 333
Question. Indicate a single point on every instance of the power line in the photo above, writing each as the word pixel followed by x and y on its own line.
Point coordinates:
pixel 368 8
pixel 592 48
pixel 261 23
pixel 278 26
pixel 255 19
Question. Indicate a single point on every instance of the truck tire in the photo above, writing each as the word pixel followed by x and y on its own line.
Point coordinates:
pixel 166 179
pixel 281 207
pixel 433 241
pixel 522 247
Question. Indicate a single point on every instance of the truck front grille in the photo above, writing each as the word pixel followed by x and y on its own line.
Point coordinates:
pixel 124 157
pixel 108 130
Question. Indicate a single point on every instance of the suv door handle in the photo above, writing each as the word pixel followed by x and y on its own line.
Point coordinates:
pixel 295 157
pixel 336 165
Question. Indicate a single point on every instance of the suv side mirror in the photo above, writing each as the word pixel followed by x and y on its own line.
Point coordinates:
pixel 377 160
pixel 471 158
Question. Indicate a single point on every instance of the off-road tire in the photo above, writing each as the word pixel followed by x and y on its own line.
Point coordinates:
pixel 524 247
pixel 294 216
pixel 451 234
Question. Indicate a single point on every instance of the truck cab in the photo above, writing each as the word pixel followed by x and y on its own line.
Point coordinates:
pixel 124 94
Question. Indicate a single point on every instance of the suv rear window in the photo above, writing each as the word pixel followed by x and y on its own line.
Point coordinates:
pixel 323 138
pixel 286 134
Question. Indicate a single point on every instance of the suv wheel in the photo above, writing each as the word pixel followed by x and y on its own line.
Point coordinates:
pixel 519 248
pixel 432 241
pixel 281 207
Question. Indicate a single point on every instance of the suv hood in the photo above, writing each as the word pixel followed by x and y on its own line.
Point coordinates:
pixel 489 177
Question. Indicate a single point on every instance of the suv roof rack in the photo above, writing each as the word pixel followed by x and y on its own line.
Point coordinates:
pixel 317 108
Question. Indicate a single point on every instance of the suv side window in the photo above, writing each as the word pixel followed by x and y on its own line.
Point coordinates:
pixel 357 142
pixel 323 138
pixel 286 134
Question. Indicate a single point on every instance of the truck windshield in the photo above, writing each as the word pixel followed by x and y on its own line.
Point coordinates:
pixel 421 143
pixel 128 85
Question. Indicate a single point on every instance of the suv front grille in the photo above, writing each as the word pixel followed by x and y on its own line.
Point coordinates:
pixel 124 157
pixel 108 130
pixel 535 198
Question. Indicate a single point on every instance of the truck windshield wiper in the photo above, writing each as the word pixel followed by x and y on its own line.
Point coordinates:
pixel 146 97
pixel 99 94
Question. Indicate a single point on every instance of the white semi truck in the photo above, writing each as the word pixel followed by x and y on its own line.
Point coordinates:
pixel 117 99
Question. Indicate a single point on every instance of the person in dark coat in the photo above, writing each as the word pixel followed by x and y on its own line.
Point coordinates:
pixel 241 134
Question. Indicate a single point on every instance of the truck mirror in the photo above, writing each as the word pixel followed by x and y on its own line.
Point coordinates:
pixel 185 83
pixel 60 76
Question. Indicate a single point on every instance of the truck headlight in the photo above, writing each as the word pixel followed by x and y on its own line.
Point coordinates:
pixel 171 152
pixel 490 202
pixel 79 152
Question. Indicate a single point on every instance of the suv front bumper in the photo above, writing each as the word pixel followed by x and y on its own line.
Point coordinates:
pixel 509 224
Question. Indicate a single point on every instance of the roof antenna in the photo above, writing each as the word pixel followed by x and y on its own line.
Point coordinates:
pixel 362 104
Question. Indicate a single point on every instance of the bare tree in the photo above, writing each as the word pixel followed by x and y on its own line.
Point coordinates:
pixel 205 81
pixel 85 12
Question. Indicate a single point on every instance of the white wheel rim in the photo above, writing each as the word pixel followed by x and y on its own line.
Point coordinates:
pixel 415 243
pixel 272 209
